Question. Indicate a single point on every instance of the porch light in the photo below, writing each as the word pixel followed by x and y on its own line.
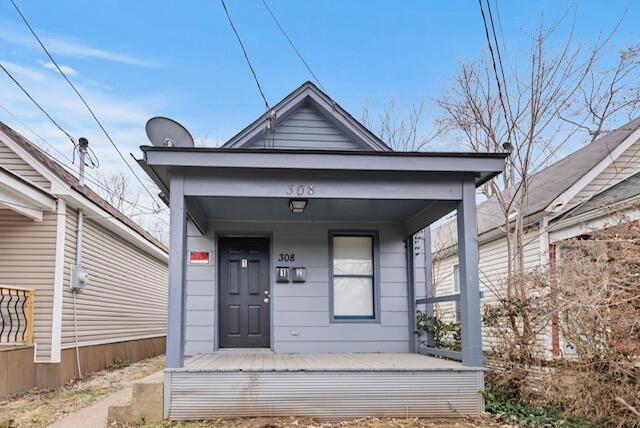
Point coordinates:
pixel 297 206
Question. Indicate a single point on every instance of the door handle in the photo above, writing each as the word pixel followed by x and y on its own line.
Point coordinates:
pixel 267 297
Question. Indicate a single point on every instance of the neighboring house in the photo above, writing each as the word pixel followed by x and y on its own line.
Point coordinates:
pixel 589 189
pixel 121 313
pixel 293 278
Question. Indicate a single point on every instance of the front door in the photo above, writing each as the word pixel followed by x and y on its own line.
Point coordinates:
pixel 244 292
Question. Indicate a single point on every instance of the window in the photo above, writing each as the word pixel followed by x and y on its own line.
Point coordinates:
pixel 353 277
pixel 456 279
pixel 456 290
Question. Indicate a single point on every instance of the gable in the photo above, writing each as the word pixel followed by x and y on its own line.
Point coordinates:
pixel 14 163
pixel 623 167
pixel 304 129
pixel 307 119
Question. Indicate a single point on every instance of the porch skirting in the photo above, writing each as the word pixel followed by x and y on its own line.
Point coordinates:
pixel 426 387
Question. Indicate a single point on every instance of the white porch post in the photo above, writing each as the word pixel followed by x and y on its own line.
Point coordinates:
pixel 177 250
pixel 469 276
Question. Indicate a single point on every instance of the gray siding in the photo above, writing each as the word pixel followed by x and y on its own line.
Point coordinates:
pixel 300 312
pixel 305 129
pixel 11 161
pixel 27 259
pixel 126 295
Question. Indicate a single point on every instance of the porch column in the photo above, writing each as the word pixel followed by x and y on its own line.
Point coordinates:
pixel 177 251
pixel 411 299
pixel 469 277
pixel 428 279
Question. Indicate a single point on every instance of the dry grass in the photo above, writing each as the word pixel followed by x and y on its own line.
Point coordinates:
pixel 266 422
pixel 38 408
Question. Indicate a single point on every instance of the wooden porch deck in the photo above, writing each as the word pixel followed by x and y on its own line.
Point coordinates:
pixel 321 385
pixel 267 361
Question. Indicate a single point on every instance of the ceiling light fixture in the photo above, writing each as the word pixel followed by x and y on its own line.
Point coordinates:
pixel 297 206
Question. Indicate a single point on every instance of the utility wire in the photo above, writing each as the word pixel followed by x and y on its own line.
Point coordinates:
pixel 22 88
pixel 24 19
pixel 88 177
pixel 16 118
pixel 284 33
pixel 493 61
pixel 495 39
pixel 306 64
pixel 244 52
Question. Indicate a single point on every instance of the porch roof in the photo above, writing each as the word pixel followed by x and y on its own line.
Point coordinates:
pixel 157 161
pixel 415 188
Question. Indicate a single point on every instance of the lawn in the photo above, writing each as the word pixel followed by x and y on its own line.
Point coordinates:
pixel 38 408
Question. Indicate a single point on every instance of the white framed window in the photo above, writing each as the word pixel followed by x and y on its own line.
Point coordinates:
pixel 353 276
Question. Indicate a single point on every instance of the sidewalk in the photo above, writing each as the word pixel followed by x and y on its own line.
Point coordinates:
pixel 96 414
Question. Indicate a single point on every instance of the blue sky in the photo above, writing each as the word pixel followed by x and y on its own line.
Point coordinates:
pixel 137 59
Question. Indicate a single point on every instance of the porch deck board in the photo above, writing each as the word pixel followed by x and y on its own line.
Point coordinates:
pixel 259 360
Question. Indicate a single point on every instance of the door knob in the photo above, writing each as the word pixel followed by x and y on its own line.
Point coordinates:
pixel 266 300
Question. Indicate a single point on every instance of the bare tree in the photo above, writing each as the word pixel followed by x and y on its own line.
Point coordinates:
pixel 525 106
pixel 120 193
pixel 401 134
pixel 608 94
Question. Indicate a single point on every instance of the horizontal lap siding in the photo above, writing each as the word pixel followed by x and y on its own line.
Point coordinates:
pixel 27 259
pixel 306 129
pixel 126 293
pixel 624 167
pixel 493 271
pixel 328 394
pixel 11 161
pixel 300 312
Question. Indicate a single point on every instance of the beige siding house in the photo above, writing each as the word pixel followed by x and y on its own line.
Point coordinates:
pixel 569 198
pixel 121 313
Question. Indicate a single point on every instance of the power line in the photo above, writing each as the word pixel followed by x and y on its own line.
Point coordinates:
pixel 22 88
pixel 495 38
pixel 24 19
pixel 493 61
pixel 35 133
pixel 244 52
pixel 284 33
pixel 90 178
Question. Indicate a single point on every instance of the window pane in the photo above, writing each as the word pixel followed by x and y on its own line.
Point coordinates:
pixel 353 297
pixel 352 255
pixel 456 278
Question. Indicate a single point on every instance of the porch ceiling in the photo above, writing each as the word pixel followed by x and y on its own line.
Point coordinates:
pixel 277 209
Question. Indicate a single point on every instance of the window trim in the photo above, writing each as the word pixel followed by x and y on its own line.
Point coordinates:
pixel 376 276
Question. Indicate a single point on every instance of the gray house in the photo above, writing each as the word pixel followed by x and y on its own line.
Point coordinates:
pixel 292 272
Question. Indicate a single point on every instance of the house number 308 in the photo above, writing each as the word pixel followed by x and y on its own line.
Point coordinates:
pixel 301 189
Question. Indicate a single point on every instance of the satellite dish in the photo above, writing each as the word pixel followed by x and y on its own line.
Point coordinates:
pixel 165 132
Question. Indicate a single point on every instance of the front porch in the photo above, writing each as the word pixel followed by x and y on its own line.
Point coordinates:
pixel 326 385
pixel 340 340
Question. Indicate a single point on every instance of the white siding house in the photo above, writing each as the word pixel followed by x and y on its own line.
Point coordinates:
pixel 121 313
pixel 567 199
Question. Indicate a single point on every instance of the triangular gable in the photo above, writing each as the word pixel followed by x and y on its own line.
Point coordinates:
pixel 308 119
pixel 13 162
pixel 620 160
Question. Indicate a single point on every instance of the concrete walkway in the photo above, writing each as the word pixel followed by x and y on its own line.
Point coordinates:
pixel 96 414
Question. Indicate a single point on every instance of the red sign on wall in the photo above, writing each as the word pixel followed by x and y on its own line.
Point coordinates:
pixel 198 257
